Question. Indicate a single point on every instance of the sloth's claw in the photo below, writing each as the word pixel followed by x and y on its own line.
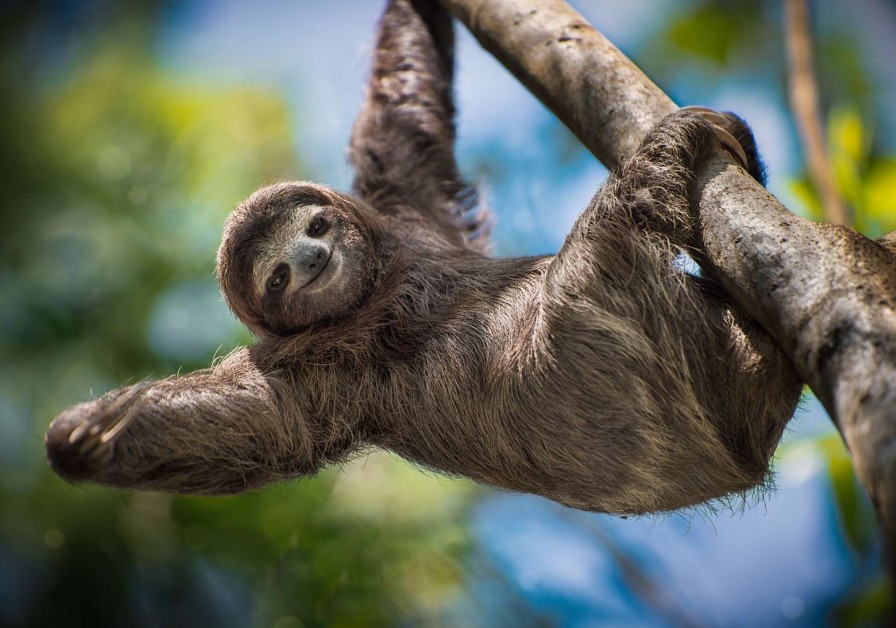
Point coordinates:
pixel 79 438
pixel 108 418
pixel 728 141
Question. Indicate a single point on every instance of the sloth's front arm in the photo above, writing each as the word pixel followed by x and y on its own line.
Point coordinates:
pixel 220 430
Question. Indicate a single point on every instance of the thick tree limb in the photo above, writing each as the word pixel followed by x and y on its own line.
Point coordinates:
pixel 825 292
pixel 604 98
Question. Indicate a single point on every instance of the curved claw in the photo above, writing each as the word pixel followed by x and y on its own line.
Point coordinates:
pixel 103 425
pixel 78 439
pixel 728 141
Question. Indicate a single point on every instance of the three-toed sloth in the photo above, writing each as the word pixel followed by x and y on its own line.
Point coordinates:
pixel 604 377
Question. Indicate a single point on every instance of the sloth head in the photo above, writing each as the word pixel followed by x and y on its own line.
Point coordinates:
pixel 294 254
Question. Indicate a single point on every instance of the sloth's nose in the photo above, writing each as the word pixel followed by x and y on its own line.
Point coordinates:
pixel 308 260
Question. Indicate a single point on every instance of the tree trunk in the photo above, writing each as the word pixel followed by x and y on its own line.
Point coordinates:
pixel 824 292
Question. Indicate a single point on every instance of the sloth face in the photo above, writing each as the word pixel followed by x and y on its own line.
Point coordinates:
pixel 295 254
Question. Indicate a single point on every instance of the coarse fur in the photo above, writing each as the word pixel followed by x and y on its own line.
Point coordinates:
pixel 604 377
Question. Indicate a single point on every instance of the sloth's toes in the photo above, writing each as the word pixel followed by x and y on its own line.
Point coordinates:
pixel 719 124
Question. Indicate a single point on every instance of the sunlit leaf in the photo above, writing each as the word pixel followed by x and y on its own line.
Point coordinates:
pixel 714 31
pixel 847 134
pixel 805 192
pixel 880 195
pixel 709 32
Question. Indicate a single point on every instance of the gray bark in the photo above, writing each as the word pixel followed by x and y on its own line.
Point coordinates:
pixel 824 292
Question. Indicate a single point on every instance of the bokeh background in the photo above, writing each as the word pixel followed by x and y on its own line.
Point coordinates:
pixel 130 129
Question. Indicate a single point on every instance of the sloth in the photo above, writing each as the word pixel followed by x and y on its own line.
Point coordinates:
pixel 604 377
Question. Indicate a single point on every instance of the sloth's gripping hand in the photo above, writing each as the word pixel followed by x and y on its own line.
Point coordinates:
pixel 735 138
pixel 210 432
pixel 652 191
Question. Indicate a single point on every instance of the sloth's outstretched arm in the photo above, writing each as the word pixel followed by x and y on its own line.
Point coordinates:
pixel 402 145
pixel 222 430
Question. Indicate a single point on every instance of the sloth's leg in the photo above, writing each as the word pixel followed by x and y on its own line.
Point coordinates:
pixel 653 189
pixel 217 431
pixel 662 354
pixel 644 206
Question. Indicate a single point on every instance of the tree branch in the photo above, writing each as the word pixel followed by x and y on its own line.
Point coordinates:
pixel 804 102
pixel 826 293
pixel 604 98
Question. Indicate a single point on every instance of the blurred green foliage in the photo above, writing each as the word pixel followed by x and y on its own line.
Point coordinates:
pixel 715 31
pixel 720 38
pixel 866 181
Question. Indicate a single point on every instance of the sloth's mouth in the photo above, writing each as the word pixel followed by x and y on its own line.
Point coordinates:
pixel 322 266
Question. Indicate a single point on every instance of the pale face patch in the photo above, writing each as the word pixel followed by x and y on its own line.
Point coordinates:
pixel 276 247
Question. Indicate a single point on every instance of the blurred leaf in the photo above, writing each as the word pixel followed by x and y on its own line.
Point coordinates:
pixel 706 33
pixel 712 31
pixel 848 153
pixel 852 506
pixel 805 192
pixel 867 182
pixel 842 69
pixel 879 200
pixel 868 607
pixel 847 135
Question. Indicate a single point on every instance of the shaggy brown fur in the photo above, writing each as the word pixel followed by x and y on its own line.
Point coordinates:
pixel 602 378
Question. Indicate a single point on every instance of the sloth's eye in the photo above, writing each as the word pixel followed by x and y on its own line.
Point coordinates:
pixel 318 227
pixel 279 279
